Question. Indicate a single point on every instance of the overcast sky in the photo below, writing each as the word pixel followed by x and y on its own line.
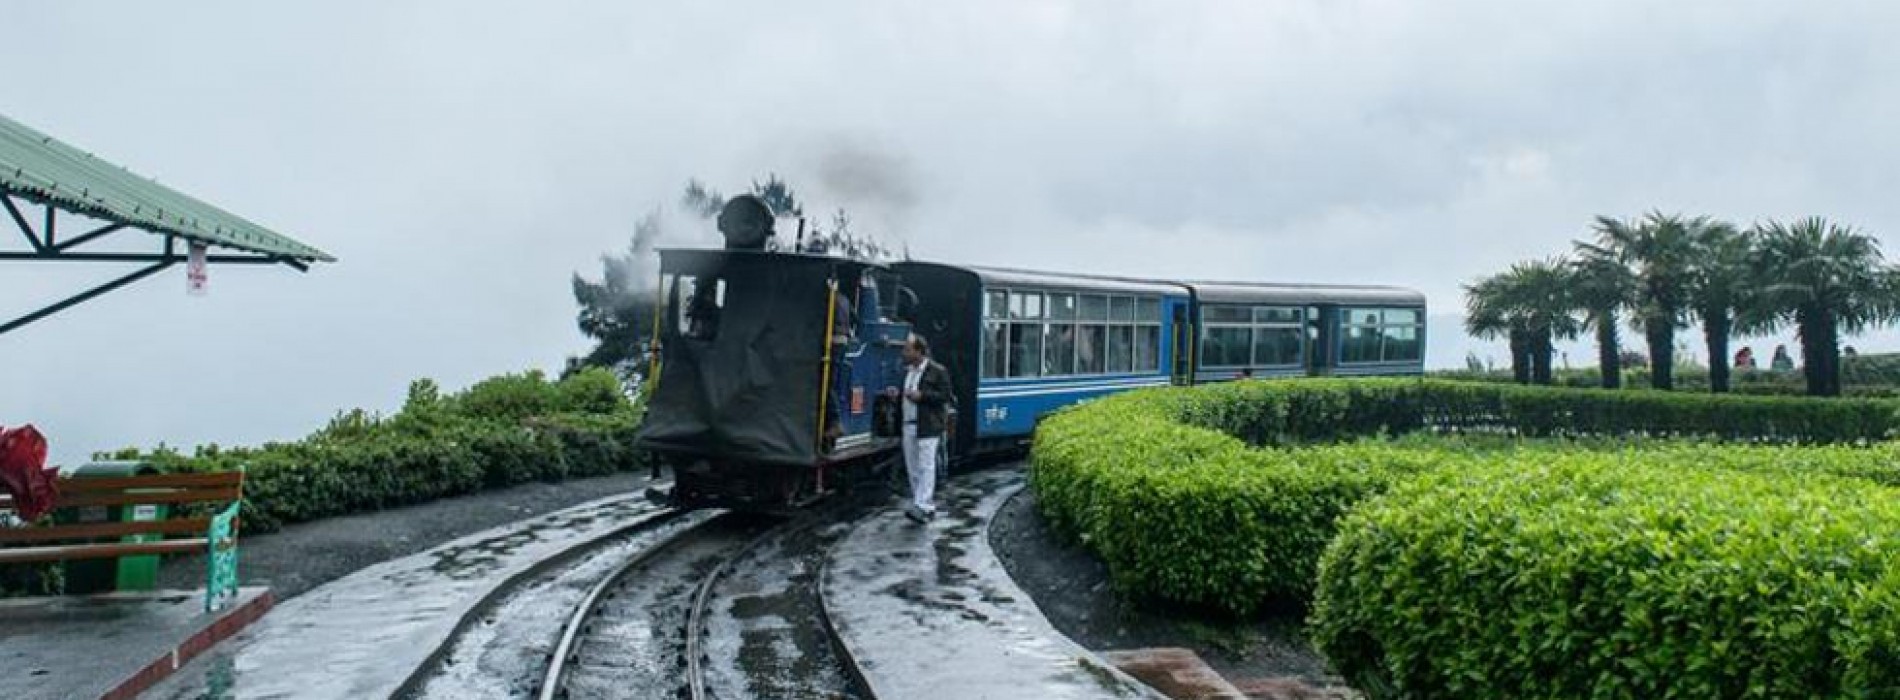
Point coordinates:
pixel 463 159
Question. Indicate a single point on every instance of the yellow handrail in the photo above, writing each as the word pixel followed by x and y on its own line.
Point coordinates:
pixel 653 351
pixel 824 384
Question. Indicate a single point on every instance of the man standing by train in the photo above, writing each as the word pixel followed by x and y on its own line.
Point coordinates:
pixel 927 399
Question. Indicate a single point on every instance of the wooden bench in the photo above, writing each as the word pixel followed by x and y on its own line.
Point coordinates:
pixel 213 534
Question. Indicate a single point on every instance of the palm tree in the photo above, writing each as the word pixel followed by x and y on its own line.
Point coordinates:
pixel 1602 287
pixel 1826 279
pixel 1719 285
pixel 1529 304
pixel 1487 317
pixel 1657 249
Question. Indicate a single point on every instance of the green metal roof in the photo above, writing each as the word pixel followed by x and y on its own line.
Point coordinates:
pixel 41 168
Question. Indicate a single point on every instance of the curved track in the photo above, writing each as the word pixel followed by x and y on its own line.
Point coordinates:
pixel 699 604
pixel 631 635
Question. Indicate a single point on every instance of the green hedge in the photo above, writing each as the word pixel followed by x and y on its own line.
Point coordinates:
pixel 1216 496
pixel 1614 576
pixel 1302 411
pixel 500 432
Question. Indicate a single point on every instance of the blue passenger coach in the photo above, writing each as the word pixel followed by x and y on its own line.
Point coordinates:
pixel 1020 344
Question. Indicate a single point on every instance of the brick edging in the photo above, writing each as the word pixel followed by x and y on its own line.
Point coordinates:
pixel 227 624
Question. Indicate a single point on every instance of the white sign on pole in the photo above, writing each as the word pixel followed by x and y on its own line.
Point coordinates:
pixel 195 276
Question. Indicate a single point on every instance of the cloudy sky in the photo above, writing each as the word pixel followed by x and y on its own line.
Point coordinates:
pixel 463 159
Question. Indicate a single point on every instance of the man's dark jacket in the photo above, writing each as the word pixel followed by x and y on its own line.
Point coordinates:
pixel 936 398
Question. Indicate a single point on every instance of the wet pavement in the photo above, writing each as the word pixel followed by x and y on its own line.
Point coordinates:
pixel 367 634
pixel 505 654
pixel 109 645
pixel 928 612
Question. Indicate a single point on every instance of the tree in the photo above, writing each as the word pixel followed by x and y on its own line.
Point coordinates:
pixel 618 311
pixel 1658 250
pixel 1530 305
pixel 1826 279
pixel 1719 288
pixel 1602 287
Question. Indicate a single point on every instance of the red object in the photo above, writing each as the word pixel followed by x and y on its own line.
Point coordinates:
pixel 24 474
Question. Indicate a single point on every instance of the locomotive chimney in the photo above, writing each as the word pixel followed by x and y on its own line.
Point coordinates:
pixel 746 222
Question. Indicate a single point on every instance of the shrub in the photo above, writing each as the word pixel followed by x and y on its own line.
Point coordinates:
pixel 1216 495
pixel 500 432
pixel 1598 576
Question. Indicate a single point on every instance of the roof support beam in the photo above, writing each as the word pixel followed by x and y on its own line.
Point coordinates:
pixel 167 256
pixel 19 219
pixel 87 295
pixel 61 256
pixel 87 236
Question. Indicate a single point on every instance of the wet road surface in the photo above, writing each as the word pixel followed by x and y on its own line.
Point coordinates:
pixel 366 634
pixel 928 612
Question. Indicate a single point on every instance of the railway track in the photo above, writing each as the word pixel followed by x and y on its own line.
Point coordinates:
pixel 702 604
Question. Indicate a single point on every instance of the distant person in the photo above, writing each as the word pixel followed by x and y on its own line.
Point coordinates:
pixel 1781 362
pixel 1849 352
pixel 927 399
pixel 841 327
pixel 1745 358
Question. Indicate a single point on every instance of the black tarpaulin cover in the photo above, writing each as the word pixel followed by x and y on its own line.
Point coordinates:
pixel 749 393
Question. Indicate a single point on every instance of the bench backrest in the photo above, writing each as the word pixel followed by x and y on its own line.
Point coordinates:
pixel 172 489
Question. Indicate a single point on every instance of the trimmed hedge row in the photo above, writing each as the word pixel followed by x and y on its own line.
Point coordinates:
pixel 1615 577
pixel 1168 487
pixel 503 431
pixel 1304 411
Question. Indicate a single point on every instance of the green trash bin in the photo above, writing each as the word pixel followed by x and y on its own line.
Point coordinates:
pixel 133 573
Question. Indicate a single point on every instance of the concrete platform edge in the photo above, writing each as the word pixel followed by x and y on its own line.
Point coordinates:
pixel 227 623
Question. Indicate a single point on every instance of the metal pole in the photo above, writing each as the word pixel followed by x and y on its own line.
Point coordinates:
pixel 47 232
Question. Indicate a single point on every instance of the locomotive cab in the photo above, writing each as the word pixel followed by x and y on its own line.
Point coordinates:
pixel 771 375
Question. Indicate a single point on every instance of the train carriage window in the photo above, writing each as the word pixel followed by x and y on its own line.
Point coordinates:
pixel 1381 335
pixel 995 351
pixel 1148 348
pixel 1058 348
pixel 1226 346
pixel 1121 309
pixel 1062 307
pixel 1148 310
pixel 1025 305
pixel 1401 344
pixel 1094 307
pixel 1089 342
pixel 1121 349
pixel 1215 313
pixel 996 304
pixel 1025 350
pixel 1276 346
pixel 1360 344
pixel 1276 314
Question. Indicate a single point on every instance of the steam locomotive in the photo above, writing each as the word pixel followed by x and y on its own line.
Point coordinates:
pixel 772 367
